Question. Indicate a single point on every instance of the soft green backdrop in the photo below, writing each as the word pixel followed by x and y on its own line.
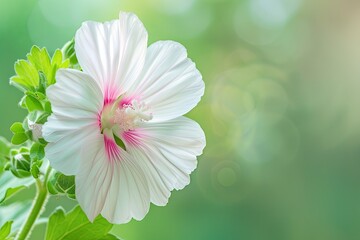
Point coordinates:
pixel 281 111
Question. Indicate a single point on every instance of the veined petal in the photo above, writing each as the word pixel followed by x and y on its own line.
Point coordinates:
pixel 77 91
pixel 115 187
pixel 170 84
pixel 113 52
pixel 59 125
pixel 65 154
pixel 76 100
pixel 167 153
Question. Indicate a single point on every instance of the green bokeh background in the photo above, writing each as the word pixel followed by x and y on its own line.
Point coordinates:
pixel 280 111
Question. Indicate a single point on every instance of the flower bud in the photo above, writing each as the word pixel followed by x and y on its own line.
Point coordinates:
pixel 61 184
pixel 20 162
pixel 68 52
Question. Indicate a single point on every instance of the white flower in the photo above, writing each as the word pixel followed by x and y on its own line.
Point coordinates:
pixel 118 126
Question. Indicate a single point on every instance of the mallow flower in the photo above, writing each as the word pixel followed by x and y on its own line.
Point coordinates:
pixel 117 125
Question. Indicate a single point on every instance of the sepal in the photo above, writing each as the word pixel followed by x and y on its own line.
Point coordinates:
pixel 61 184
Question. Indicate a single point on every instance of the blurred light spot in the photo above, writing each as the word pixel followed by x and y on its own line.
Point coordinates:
pixel 229 101
pixel 263 140
pixel 270 96
pixel 290 47
pixel 238 92
pixel 251 102
pixel 226 177
pixel 221 181
pixel 272 13
pixel 260 22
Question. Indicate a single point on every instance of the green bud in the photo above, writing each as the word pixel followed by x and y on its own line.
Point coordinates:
pixel 61 184
pixel 68 51
pixel 20 162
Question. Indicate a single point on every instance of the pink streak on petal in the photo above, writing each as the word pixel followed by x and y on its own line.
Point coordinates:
pixel 111 149
pixel 127 100
pixel 99 120
pixel 110 95
pixel 133 137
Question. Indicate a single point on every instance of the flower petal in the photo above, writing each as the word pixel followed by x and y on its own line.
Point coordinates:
pixel 117 188
pixel 167 153
pixel 76 100
pixel 113 52
pixel 170 83
pixel 75 89
pixel 64 154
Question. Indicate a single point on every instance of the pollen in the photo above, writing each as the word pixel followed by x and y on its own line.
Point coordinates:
pixel 130 116
pixel 125 117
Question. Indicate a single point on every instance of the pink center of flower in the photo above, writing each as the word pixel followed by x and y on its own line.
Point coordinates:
pixel 130 116
pixel 121 120
pixel 124 117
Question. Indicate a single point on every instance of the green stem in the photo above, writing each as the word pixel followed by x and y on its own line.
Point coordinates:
pixel 39 202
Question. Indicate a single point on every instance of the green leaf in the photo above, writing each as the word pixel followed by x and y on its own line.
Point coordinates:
pixel 35 169
pixel 47 107
pixel 17 128
pixel 33 117
pixel 22 102
pixel 33 104
pixel 19 138
pixel 38 71
pixel 37 151
pixel 40 59
pixel 9 185
pixel 42 118
pixel 75 225
pixel 38 95
pixel 27 75
pixel 57 58
pixel 5 230
pixel 43 82
pixel 66 63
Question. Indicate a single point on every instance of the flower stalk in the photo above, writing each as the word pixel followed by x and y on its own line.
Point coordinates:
pixel 38 205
